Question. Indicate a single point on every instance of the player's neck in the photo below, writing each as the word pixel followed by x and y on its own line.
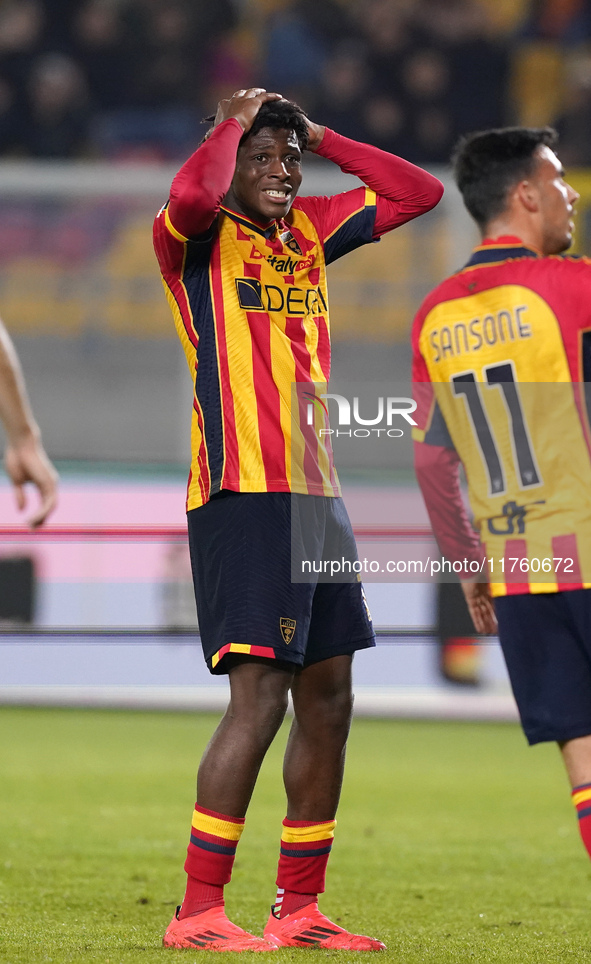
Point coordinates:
pixel 232 203
pixel 516 228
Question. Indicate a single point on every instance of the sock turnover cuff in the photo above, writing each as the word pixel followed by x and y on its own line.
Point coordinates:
pixel 307 831
pixel 217 824
pixel 303 855
pixel 310 823
pixel 581 794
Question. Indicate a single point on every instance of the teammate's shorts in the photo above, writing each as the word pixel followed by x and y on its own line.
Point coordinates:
pixel 241 555
pixel 546 641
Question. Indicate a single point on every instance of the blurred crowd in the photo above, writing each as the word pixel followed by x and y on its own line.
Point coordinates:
pixel 132 79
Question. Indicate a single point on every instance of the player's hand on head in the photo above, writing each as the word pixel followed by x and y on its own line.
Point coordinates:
pixel 244 105
pixel 480 606
pixel 315 134
pixel 27 461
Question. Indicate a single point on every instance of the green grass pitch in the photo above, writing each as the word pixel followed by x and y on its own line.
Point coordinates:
pixel 455 842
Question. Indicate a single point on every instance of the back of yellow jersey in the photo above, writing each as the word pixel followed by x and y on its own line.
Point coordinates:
pixel 497 360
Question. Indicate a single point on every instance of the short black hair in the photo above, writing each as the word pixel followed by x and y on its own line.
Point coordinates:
pixel 281 115
pixel 488 164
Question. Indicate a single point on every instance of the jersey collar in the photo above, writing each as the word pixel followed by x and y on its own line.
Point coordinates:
pixel 507 247
pixel 267 233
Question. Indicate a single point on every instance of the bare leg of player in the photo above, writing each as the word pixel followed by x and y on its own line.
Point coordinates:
pixel 577 760
pixel 313 775
pixel 315 754
pixel 259 690
pixel 230 765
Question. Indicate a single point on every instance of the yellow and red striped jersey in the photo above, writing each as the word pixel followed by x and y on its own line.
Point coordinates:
pixel 250 305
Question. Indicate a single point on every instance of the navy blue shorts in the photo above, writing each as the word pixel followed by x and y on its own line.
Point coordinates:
pixel 247 601
pixel 546 641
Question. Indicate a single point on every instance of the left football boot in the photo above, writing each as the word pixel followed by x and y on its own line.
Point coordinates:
pixel 307 927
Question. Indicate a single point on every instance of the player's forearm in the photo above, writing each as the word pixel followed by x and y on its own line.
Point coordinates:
pixel 404 190
pixel 437 471
pixel 15 410
pixel 203 181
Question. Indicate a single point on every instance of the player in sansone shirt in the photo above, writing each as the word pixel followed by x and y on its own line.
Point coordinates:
pixel 244 267
pixel 502 362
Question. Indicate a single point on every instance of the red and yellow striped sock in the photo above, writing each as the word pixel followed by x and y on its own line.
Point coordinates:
pixel 305 849
pixel 582 801
pixel 210 858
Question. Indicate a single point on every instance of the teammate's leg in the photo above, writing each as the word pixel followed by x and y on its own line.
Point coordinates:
pixel 313 774
pixel 577 760
pixel 546 640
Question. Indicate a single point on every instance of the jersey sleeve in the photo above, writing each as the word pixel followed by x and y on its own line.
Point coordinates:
pixel 344 222
pixel 196 193
pixel 396 191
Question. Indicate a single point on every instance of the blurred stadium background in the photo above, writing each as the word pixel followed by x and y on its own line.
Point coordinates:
pixel 99 103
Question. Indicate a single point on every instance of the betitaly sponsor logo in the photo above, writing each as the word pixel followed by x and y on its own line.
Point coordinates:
pixel 287 265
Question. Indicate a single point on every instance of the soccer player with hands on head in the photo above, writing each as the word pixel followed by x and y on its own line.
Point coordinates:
pixel 25 459
pixel 501 362
pixel 243 261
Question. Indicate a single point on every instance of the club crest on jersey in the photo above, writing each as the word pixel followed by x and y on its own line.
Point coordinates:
pixel 290 242
pixel 287 627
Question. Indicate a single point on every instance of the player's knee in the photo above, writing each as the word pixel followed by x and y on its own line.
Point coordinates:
pixel 340 708
pixel 269 710
pixel 329 711
pixel 256 722
pixel 259 695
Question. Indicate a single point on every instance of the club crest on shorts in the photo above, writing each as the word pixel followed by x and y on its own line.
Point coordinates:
pixel 287 627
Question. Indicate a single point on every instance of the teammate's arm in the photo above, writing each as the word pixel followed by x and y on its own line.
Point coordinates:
pixel 404 191
pixel 438 473
pixel 437 467
pixel 437 470
pixel 204 180
pixel 480 606
pixel 25 459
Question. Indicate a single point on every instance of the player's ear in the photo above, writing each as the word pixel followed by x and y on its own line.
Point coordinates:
pixel 527 194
